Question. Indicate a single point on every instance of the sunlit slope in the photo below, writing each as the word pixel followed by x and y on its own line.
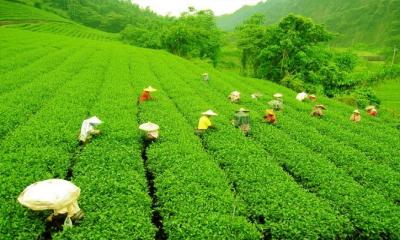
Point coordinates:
pixel 16 15
pixel 359 21
pixel 11 11
pixel 303 178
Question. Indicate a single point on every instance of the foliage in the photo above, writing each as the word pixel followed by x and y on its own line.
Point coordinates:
pixel 366 96
pixel 194 34
pixel 291 53
pixel 141 37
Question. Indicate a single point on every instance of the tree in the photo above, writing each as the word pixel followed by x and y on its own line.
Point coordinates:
pixel 251 35
pixel 194 34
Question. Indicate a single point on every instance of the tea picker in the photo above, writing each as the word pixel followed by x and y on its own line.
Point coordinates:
pixel 318 110
pixel 256 96
pixel 356 116
pixel 242 120
pixel 145 96
pixel 150 131
pixel 88 129
pixel 277 103
pixel 58 195
pixel 205 121
pixel 302 96
pixel 270 116
pixel 206 77
pixel 312 98
pixel 234 97
pixel 371 110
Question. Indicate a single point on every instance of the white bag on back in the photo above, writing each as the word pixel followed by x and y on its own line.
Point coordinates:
pixel 55 194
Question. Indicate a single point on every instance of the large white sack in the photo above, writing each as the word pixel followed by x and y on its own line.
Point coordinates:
pixel 301 96
pixel 55 194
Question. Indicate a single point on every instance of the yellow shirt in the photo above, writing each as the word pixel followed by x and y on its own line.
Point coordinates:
pixel 204 123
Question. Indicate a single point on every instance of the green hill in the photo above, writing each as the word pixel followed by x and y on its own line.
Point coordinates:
pixel 17 15
pixel 368 22
pixel 301 178
pixel 13 12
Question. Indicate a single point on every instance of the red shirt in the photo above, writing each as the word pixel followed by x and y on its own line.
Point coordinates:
pixel 145 96
pixel 373 112
pixel 270 118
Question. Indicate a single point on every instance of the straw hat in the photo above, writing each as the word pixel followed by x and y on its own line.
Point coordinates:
pixel 320 106
pixel 312 96
pixel 278 95
pixel 205 74
pixel 356 111
pixel 368 108
pixel 149 126
pixel 235 93
pixel 209 113
pixel 150 89
pixel 242 110
pixel 269 112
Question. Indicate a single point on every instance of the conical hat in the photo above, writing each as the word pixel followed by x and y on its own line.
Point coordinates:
pixel 94 121
pixel 242 110
pixel 149 126
pixel 356 111
pixel 368 108
pixel 49 194
pixel 209 113
pixel 150 89
pixel 320 106
pixel 278 95
pixel 269 112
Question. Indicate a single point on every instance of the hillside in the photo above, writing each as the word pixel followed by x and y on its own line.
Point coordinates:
pixel 16 15
pixel 301 178
pixel 368 22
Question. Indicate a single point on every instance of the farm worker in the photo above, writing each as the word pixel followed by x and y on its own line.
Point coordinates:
pixel 312 97
pixel 242 120
pixel 277 103
pixel 150 131
pixel 256 96
pixel 206 77
pixel 270 116
pixel 371 110
pixel 205 122
pixel 301 96
pixel 88 130
pixel 234 96
pixel 356 116
pixel 58 195
pixel 318 110
pixel 146 94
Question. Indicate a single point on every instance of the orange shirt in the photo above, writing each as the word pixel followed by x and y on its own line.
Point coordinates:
pixel 145 96
pixel 373 112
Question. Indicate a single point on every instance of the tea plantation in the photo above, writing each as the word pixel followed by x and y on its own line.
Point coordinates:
pixel 303 178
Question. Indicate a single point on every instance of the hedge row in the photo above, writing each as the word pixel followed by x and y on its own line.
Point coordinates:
pixel 41 149
pixel 15 79
pixel 16 110
pixel 273 200
pixel 194 196
pixel 110 170
pixel 372 215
